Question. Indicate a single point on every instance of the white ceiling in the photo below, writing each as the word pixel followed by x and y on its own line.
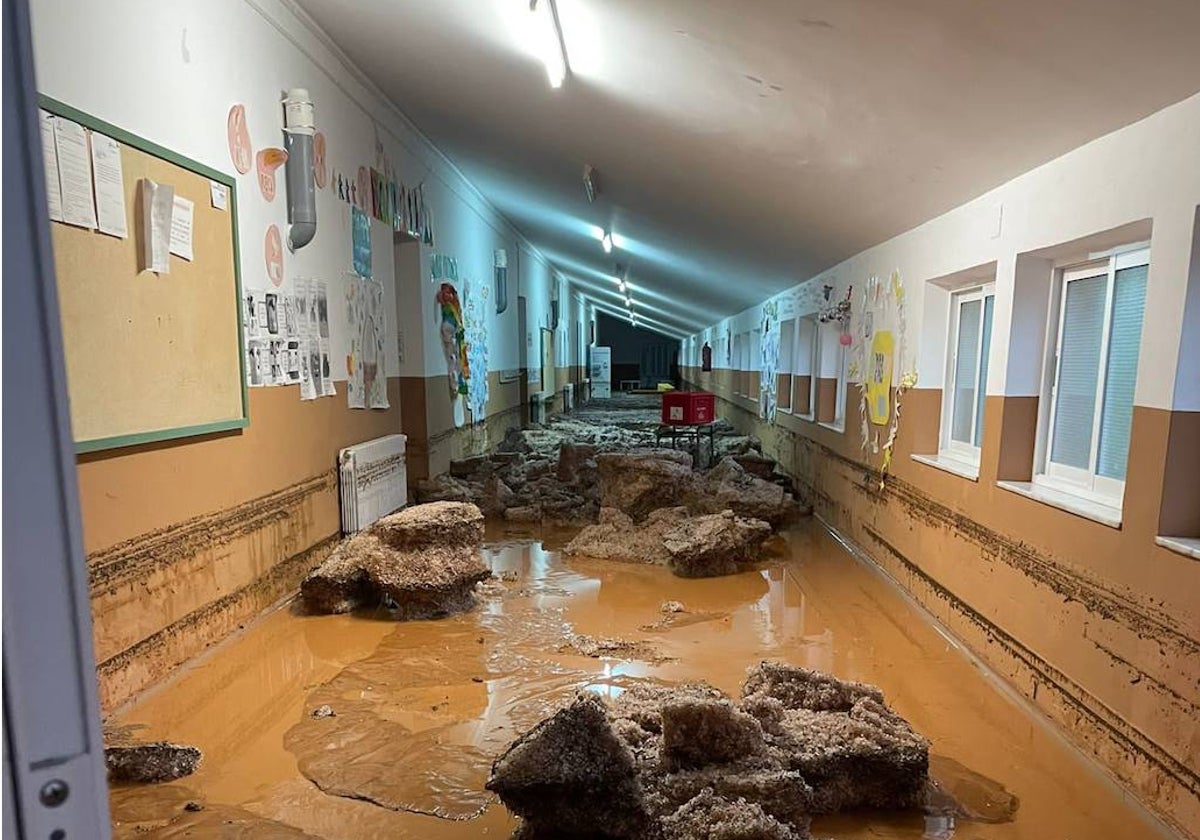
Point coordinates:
pixel 745 145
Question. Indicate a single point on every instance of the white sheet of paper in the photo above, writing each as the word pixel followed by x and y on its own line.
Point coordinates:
pixel 158 202
pixel 74 173
pixel 50 163
pixel 181 227
pixel 109 181
pixel 220 195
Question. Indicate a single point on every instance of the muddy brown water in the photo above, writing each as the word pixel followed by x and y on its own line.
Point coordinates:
pixel 422 708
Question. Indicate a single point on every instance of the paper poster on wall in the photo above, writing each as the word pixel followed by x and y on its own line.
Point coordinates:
pixel 366 380
pixel 219 194
pixel 50 166
pixel 74 173
pixel 158 205
pixel 182 218
pixel 109 186
pixel 601 372
pixel 360 233
pixel 238 136
pixel 879 378
pixel 769 356
pixel 267 161
pixel 273 254
pixel 476 323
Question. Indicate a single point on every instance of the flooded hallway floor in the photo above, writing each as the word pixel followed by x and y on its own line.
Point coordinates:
pixel 420 709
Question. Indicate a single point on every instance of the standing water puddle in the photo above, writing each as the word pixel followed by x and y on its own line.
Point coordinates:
pixel 421 709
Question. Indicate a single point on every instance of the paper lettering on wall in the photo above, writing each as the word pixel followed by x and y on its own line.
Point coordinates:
pixel 273 255
pixel 238 135
pixel 50 165
pixel 74 173
pixel 109 186
pixel 182 217
pixel 158 206
pixel 220 195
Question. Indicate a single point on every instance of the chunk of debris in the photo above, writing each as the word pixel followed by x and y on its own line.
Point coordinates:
pixel 572 774
pixel 693 763
pixel 710 817
pixel 324 712
pixel 693 546
pixel 159 761
pixel 421 562
pixel 671 607
pixel 718 544
pixel 639 482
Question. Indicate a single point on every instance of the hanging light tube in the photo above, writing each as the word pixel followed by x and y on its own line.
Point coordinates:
pixel 551 46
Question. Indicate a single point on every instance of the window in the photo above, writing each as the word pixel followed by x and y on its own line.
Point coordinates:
pixel 830 388
pixel 967 372
pixel 803 382
pixel 739 363
pixel 1093 375
pixel 783 379
pixel 754 386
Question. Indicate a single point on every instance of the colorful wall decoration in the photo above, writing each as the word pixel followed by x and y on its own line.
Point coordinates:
pixel 881 340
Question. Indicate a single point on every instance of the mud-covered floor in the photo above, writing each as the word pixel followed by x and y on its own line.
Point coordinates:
pixel 421 708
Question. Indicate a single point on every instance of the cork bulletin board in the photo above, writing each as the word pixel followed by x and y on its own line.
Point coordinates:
pixel 150 356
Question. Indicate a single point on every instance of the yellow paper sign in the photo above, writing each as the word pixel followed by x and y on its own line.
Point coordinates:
pixel 879 378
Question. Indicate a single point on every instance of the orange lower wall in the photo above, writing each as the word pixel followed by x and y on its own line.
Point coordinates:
pixel 185 539
pixel 188 539
pixel 1097 626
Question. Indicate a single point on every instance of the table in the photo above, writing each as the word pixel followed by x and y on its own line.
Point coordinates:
pixel 688 431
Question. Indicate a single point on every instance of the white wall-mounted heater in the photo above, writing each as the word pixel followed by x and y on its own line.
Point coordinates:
pixel 373 479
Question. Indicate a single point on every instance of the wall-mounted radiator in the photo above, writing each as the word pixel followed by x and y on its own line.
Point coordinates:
pixel 373 480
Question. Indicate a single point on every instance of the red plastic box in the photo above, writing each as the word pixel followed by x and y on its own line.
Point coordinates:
pixel 688 408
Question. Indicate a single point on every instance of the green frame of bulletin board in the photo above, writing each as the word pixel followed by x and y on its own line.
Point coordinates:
pixel 61 109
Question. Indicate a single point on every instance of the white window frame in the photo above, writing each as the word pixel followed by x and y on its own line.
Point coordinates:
pixel 787 361
pixel 838 424
pixel 949 447
pixel 811 323
pixel 1067 479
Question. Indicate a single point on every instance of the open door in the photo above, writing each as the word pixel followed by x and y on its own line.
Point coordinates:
pixel 54 785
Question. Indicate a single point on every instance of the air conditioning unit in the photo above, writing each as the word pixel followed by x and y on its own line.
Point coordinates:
pixel 373 479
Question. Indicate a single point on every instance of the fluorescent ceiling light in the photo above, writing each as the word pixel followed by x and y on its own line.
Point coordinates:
pixel 606 243
pixel 621 287
pixel 550 45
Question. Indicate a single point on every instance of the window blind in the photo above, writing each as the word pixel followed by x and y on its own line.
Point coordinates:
pixel 1125 336
pixel 1078 371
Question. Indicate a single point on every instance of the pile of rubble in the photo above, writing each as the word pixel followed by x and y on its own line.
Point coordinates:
pixel 688 762
pixel 539 475
pixel 693 546
pixel 419 563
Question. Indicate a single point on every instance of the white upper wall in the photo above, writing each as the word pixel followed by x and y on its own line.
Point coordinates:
pixel 1148 170
pixel 169 72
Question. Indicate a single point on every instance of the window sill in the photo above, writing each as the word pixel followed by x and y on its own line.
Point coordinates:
pixel 1187 546
pixel 834 427
pixel 950 464
pixel 1105 514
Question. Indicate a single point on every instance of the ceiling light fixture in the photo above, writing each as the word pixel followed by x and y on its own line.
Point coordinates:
pixel 606 242
pixel 551 47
